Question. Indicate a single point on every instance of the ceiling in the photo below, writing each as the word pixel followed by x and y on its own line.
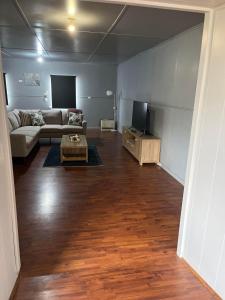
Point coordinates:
pixel 105 32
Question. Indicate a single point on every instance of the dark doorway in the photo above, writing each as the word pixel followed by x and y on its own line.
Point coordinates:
pixel 63 91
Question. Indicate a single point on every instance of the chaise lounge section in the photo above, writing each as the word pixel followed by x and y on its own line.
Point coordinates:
pixel 24 138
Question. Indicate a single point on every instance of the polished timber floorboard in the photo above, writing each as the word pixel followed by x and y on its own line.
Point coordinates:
pixel 100 233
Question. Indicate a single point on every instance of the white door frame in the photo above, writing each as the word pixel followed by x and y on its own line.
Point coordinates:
pixel 6 161
pixel 196 123
pixel 9 172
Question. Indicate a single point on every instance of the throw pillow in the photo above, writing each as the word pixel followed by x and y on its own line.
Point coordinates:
pixel 53 116
pixel 10 126
pixel 75 119
pixel 37 119
pixel 13 120
pixel 25 119
pixel 17 114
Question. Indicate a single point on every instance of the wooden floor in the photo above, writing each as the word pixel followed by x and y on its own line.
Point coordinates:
pixel 100 233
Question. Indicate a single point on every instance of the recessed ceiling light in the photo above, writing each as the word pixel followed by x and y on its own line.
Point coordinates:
pixel 71 28
pixel 71 7
pixel 40 59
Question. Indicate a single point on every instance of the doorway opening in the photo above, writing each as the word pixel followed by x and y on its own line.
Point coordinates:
pixel 52 203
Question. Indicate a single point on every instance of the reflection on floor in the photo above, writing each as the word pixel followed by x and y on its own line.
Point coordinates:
pixel 100 233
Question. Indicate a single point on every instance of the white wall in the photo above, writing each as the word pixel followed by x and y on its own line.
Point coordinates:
pixel 92 80
pixel 166 76
pixel 9 248
pixel 203 230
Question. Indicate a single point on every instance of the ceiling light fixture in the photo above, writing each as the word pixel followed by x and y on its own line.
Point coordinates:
pixel 40 59
pixel 71 25
pixel 71 28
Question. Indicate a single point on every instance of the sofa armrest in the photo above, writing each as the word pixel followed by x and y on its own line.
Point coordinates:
pixel 18 144
pixel 84 125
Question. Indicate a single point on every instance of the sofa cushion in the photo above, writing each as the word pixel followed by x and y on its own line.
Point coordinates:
pixel 29 128
pixel 52 116
pixel 67 129
pixel 65 116
pixel 25 118
pixel 51 128
pixel 13 120
pixel 31 131
pixel 29 140
pixel 37 119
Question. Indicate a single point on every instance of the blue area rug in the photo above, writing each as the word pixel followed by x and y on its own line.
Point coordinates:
pixel 53 158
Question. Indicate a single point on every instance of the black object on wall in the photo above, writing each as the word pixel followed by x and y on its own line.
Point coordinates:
pixel 6 95
pixel 63 91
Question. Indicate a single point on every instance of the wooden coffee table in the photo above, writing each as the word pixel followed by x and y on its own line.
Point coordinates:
pixel 73 151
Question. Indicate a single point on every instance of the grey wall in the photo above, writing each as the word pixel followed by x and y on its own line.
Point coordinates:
pixel 92 80
pixel 166 76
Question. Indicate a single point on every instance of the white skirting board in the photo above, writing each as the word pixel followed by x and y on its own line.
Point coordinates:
pixel 180 180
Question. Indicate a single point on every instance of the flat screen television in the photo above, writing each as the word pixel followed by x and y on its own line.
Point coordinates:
pixel 141 117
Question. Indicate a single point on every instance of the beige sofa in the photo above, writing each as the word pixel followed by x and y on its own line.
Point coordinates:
pixel 24 138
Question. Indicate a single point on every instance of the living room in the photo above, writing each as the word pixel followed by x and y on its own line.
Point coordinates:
pixel 142 75
pixel 100 114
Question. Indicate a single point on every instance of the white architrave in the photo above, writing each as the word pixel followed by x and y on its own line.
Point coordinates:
pixel 9 241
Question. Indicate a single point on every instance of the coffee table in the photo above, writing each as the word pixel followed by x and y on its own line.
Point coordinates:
pixel 73 151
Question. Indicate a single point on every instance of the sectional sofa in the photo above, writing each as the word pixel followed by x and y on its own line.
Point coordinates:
pixel 24 138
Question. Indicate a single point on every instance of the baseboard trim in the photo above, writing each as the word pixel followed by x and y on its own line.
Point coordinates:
pixel 203 282
pixel 14 290
pixel 165 168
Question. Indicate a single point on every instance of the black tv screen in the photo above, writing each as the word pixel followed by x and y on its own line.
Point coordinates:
pixel 141 116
